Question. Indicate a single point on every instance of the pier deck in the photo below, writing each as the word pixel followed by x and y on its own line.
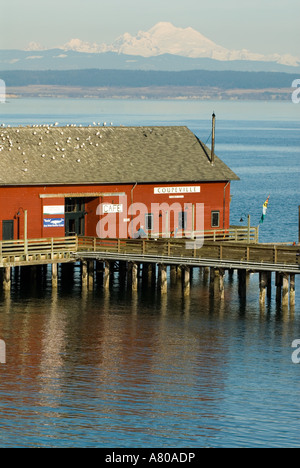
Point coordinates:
pixel 180 254
pixel 227 255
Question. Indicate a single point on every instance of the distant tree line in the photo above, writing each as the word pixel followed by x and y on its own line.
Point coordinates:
pixel 136 79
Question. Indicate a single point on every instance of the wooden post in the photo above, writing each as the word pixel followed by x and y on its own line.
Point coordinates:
pixel 263 281
pixel 269 284
pixel 221 284
pixel 106 279
pixel 187 281
pixel 134 277
pixel 91 272
pixel 212 276
pixel 173 274
pixel 25 232
pixel 249 229
pixel 206 275
pixel 278 287
pixel 163 279
pixel 7 279
pixel 242 275
pixel 285 290
pixel 292 291
pixel 54 275
pixel 151 270
pixel 217 279
pixel 84 273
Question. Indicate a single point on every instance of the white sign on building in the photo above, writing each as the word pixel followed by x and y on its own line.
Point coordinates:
pixel 109 208
pixel 176 190
pixel 54 210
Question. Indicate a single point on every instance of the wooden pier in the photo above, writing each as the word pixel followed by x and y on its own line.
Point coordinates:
pixel 180 255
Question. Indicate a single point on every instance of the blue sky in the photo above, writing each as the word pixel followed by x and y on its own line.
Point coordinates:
pixel 265 26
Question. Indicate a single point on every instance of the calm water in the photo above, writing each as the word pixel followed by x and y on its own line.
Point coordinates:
pixel 122 370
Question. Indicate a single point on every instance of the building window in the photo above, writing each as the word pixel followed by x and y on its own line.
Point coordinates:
pixel 74 205
pixel 149 222
pixel 182 220
pixel 215 219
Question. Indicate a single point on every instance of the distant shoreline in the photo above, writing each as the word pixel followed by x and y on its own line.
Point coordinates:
pixel 187 93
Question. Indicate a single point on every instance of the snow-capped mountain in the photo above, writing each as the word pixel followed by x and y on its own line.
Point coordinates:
pixel 165 38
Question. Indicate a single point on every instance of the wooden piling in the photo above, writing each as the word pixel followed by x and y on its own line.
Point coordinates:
pixel 278 287
pixel 285 290
pixel 212 276
pixel 263 282
pixel 269 284
pixel 221 284
pixel 292 291
pixel 217 283
pixel 242 278
pixel 187 281
pixel 91 273
pixel 163 279
pixel 54 275
pixel 173 274
pixel 151 273
pixel 134 277
pixel 106 277
pixel 84 273
pixel 7 279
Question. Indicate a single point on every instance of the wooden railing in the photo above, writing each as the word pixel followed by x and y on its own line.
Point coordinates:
pixel 174 248
pixel 16 251
pixel 65 249
pixel 234 233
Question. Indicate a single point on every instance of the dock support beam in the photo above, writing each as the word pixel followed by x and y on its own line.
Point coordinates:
pixel 134 272
pixel 187 281
pixel 54 275
pixel 292 291
pixel 163 279
pixel 91 273
pixel 151 273
pixel 173 274
pixel 217 281
pixel 278 287
pixel 285 290
pixel 84 273
pixel 106 279
pixel 7 279
pixel 242 275
pixel 221 284
pixel 263 283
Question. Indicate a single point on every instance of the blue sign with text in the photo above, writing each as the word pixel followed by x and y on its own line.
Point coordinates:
pixel 54 222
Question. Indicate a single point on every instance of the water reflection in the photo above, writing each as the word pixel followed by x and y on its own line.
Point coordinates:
pixel 116 367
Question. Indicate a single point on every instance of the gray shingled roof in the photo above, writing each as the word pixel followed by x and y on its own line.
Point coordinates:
pixel 104 155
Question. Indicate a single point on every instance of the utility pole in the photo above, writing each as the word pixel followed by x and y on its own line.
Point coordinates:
pixel 213 138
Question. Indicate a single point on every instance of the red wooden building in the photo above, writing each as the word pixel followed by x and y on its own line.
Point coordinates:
pixel 110 181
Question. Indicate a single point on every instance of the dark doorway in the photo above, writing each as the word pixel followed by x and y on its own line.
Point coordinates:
pixel 75 216
pixel 8 230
